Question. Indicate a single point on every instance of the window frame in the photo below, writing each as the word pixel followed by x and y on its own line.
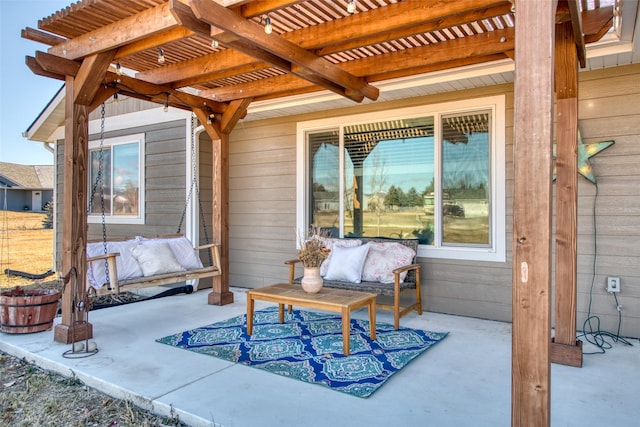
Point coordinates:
pixel 496 251
pixel 108 143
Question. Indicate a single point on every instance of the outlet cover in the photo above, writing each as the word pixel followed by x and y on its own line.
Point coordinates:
pixel 613 284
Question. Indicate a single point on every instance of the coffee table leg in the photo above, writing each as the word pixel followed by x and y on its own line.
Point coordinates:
pixel 249 314
pixel 346 330
pixel 372 319
pixel 281 312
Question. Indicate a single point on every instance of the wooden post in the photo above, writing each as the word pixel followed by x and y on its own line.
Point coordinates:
pixel 565 349
pixel 74 220
pixel 220 294
pixel 533 122
pixel 219 130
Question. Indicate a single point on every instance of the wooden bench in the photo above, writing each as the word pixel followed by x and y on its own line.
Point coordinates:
pixel 114 286
pixel 411 281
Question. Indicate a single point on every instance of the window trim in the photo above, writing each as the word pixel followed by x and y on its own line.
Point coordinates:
pixel 497 251
pixel 138 138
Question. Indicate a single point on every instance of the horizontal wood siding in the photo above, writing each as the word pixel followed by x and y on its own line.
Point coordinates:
pixel 124 105
pixel 263 206
pixel 262 210
pixel 609 109
pixel 203 193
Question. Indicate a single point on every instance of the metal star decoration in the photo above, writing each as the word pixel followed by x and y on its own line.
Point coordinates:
pixel 585 152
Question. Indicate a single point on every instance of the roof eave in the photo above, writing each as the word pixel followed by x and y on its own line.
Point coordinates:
pixel 48 121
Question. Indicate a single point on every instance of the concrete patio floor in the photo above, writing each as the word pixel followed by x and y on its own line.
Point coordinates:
pixel 463 381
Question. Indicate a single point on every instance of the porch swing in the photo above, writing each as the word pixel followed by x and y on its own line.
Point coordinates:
pixel 140 262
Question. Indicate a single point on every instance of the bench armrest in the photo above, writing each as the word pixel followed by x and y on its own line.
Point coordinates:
pixel 105 256
pixel 207 246
pixel 406 268
pixel 214 248
pixel 111 267
pixel 292 268
pixel 396 280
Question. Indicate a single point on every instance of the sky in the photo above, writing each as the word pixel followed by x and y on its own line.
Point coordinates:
pixel 23 95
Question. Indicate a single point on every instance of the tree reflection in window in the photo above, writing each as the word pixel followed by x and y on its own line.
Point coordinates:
pixel 120 184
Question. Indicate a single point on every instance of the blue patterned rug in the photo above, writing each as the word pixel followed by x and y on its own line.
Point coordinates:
pixel 308 347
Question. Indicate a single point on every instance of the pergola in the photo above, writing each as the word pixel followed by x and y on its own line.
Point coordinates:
pixel 216 57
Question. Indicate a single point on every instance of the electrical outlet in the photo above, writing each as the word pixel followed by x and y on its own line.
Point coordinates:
pixel 613 284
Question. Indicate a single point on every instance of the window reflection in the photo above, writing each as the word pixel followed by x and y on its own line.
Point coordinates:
pixel 388 170
pixel 325 184
pixel 115 182
pixel 465 179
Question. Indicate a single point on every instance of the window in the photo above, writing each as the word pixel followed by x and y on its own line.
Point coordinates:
pixel 115 180
pixel 435 173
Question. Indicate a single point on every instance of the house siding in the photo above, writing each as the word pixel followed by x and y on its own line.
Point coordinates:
pixel 263 206
pixel 204 192
pixel 165 184
pixel 262 202
pixel 609 109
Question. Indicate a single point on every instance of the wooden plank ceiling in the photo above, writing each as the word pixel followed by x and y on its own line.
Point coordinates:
pixel 215 54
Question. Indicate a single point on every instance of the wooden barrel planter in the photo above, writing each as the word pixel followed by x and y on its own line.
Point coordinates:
pixel 26 311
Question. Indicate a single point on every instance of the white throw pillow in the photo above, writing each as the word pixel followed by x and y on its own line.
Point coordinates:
pixel 126 265
pixel 383 258
pixel 182 249
pixel 329 243
pixel 156 258
pixel 347 263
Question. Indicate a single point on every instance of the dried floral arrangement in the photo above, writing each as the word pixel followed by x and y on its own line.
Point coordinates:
pixel 312 250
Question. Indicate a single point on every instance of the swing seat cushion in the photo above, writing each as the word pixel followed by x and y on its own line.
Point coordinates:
pixel 181 248
pixel 151 257
pixel 127 266
pixel 156 258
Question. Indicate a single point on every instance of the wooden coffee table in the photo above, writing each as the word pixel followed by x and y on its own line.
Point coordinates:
pixel 336 300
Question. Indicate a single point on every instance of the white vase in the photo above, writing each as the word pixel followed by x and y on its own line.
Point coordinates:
pixel 311 281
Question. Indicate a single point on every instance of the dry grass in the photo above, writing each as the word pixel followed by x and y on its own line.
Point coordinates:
pixel 24 246
pixel 33 397
pixel 30 396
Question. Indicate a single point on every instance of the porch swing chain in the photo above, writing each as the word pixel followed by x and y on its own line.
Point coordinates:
pixel 194 184
pixel 98 182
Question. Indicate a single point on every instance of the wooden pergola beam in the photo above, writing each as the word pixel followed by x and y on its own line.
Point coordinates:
pixel 472 46
pixel 41 37
pixel 159 39
pixel 57 67
pixel 309 63
pixel 90 74
pixel 111 36
pixel 288 85
pixel 477 48
pixel 401 20
pixel 532 209
pixel 236 111
pixel 38 70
